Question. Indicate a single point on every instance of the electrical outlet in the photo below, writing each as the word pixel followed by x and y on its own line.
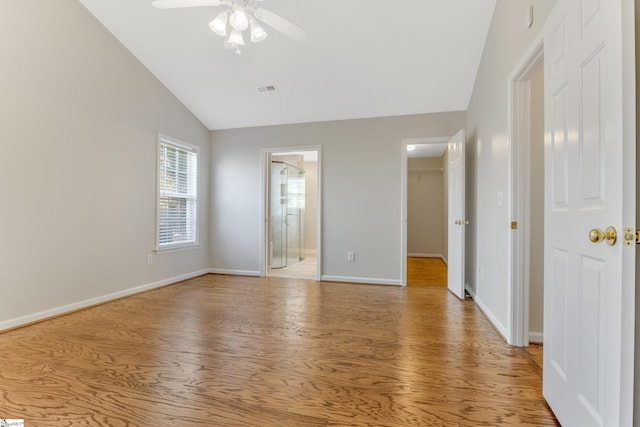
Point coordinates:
pixel 149 259
pixel 351 256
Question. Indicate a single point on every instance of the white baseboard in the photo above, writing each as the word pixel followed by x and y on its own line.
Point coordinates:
pixel 499 327
pixel 537 337
pixel 234 272
pixel 310 252
pixel 416 255
pixel 35 317
pixel 367 280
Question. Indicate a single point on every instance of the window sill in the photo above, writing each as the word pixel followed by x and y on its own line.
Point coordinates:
pixel 177 248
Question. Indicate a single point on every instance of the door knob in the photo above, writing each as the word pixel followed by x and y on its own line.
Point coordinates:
pixel 609 235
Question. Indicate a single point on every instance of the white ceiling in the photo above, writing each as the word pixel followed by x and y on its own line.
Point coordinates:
pixel 427 150
pixel 362 58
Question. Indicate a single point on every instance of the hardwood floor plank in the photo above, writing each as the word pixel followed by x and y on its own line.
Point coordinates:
pixel 422 271
pixel 239 351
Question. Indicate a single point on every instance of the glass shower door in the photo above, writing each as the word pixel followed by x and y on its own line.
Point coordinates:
pixel 278 221
pixel 287 215
pixel 295 215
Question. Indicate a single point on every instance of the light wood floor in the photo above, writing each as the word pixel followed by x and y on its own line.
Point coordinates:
pixel 426 272
pixel 535 351
pixel 305 269
pixel 238 351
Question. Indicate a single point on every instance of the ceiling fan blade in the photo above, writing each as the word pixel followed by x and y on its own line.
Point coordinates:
pixel 280 24
pixel 175 4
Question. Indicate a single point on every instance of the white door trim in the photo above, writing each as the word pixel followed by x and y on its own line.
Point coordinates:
pixel 403 195
pixel 630 212
pixel 519 131
pixel 265 159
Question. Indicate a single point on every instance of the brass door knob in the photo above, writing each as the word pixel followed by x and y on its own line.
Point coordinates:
pixel 609 235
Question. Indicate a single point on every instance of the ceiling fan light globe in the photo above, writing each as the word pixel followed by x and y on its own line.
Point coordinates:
pixel 219 24
pixel 257 32
pixel 235 38
pixel 239 19
pixel 259 36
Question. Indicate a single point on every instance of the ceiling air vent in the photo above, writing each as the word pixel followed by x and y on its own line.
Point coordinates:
pixel 266 88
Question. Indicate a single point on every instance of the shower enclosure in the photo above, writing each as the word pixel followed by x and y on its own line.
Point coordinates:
pixel 287 214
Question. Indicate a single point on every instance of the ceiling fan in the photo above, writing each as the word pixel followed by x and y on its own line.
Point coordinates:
pixel 238 16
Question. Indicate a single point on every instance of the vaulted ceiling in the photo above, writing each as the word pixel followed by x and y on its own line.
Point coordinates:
pixel 362 58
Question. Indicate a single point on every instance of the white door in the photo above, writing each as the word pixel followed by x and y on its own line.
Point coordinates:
pixel 589 287
pixel 457 221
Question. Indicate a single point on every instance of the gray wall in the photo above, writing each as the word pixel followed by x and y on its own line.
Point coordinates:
pixel 536 257
pixel 311 206
pixel 470 211
pixel 424 207
pixel 79 122
pixel 361 180
pixel 445 204
pixel 487 133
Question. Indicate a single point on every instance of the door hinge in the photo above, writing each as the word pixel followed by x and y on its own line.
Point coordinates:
pixel 514 225
pixel 631 236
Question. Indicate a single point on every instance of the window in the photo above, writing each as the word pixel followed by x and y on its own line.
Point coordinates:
pixel 177 194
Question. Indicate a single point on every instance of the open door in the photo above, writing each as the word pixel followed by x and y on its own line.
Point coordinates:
pixel 456 223
pixel 589 185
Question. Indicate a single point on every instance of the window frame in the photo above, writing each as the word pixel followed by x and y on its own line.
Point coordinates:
pixel 184 146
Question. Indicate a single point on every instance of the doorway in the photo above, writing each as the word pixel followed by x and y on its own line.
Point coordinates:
pixel 287 216
pixel 291 212
pixel 428 166
pixel 527 207
pixel 427 213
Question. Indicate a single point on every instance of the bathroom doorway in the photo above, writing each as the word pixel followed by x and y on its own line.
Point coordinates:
pixel 292 214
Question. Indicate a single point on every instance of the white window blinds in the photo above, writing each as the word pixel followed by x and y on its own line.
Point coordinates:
pixel 177 193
